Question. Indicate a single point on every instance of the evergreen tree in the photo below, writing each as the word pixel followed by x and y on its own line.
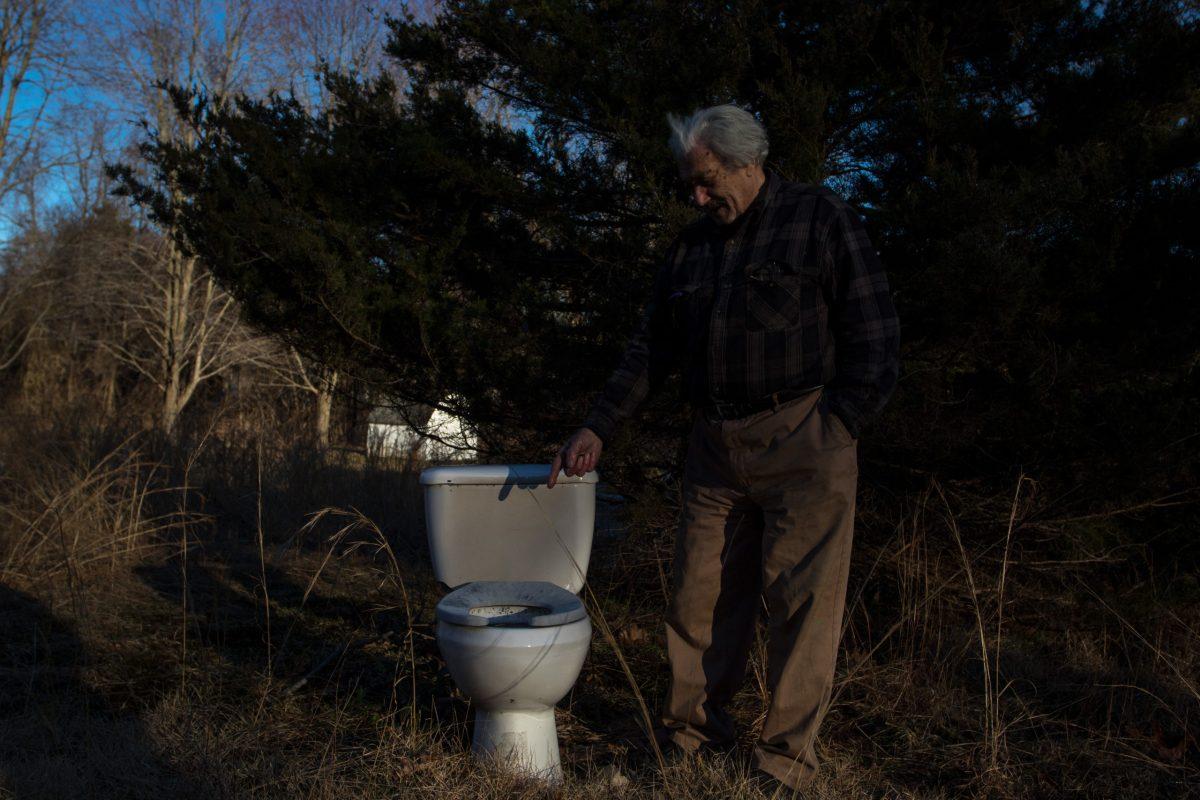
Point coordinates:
pixel 1028 171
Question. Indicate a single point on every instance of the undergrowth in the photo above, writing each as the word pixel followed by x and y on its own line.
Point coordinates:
pixel 233 619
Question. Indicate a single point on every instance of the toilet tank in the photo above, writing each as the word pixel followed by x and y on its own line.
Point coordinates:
pixel 499 522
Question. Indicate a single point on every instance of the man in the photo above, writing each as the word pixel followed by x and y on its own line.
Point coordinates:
pixel 778 310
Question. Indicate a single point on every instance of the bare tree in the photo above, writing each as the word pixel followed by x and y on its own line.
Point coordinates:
pixel 345 35
pixel 181 329
pixel 31 72
pixel 291 370
pixel 132 46
pixel 90 141
pixel 49 283
pixel 184 321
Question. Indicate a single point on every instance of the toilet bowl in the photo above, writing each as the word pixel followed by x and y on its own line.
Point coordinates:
pixel 516 649
pixel 513 632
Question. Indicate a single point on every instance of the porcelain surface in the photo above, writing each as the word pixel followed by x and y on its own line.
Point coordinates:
pixel 515 668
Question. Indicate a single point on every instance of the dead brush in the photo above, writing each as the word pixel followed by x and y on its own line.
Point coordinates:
pixel 358 532
pixel 943 570
pixel 66 511
pixel 989 611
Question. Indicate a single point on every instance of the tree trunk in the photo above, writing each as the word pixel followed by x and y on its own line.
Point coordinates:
pixel 170 406
pixel 324 406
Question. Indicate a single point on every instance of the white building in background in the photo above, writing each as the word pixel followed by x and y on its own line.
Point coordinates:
pixel 389 435
pixel 430 434
pixel 449 438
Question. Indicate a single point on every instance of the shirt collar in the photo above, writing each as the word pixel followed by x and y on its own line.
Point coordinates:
pixel 765 194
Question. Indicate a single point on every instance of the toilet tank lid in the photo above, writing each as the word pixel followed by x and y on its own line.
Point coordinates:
pixel 497 475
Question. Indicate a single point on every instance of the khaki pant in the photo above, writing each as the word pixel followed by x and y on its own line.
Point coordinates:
pixel 768 515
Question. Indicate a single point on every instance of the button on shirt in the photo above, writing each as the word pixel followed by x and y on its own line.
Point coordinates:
pixel 789 296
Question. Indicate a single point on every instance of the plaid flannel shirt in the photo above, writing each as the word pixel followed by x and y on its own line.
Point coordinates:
pixel 790 296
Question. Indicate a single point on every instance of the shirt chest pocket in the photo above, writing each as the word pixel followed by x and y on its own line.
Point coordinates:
pixel 778 292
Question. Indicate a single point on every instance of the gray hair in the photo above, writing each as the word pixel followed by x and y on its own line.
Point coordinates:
pixel 730 132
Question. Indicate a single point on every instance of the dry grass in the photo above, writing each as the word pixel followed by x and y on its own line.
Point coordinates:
pixel 206 624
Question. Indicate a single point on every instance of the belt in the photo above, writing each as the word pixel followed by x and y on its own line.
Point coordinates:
pixel 715 411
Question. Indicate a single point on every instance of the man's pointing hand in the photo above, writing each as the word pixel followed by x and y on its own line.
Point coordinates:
pixel 578 456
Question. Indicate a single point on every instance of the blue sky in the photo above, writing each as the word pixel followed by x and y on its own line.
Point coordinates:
pixel 77 101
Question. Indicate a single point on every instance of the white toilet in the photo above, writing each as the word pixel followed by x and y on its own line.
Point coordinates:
pixel 513 630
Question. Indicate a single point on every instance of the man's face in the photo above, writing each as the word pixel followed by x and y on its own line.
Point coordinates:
pixel 722 192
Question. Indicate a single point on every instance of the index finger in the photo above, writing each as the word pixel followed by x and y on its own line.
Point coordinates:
pixel 554 467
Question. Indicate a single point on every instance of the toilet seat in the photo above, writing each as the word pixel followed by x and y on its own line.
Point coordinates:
pixel 526 604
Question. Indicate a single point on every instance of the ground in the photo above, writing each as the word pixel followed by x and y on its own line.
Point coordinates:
pixel 230 639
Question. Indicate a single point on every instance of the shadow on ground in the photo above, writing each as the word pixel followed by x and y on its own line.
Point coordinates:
pixel 58 738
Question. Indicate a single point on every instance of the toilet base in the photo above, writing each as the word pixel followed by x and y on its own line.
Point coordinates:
pixel 522 741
